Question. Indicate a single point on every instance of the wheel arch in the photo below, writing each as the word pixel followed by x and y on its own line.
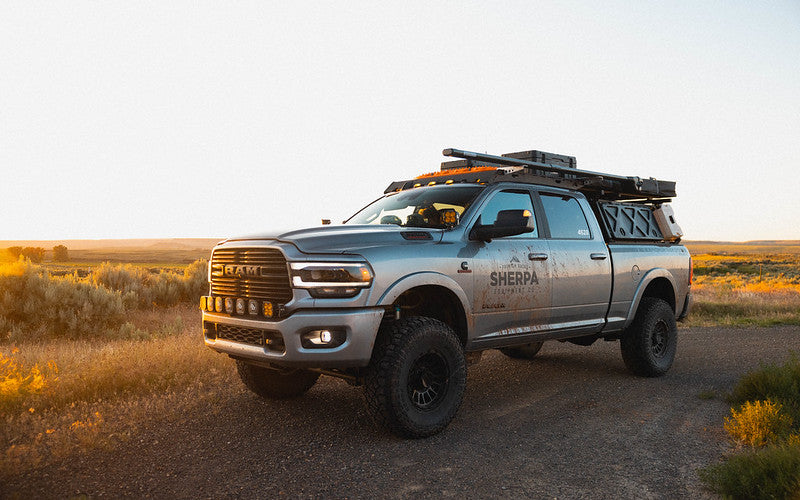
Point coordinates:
pixel 657 283
pixel 441 298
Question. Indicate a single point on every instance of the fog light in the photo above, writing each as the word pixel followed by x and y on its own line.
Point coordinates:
pixel 268 311
pixel 325 336
pixel 229 305
pixel 252 307
pixel 240 306
pixel 323 339
pixel 218 304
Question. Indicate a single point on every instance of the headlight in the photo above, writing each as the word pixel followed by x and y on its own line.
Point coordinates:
pixel 331 279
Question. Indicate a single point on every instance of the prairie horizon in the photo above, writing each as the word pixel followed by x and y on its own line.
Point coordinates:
pixel 129 244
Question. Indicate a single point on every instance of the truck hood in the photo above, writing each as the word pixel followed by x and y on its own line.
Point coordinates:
pixel 349 238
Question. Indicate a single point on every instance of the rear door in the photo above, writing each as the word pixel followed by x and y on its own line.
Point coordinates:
pixel 580 264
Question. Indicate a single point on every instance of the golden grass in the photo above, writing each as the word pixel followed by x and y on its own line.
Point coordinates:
pixel 89 402
pixel 757 423
pixel 733 288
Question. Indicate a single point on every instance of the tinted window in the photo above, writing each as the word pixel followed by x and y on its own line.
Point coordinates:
pixel 508 200
pixel 565 217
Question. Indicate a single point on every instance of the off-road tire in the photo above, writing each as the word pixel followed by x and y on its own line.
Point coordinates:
pixel 648 345
pixel 272 383
pixel 527 351
pixel 415 381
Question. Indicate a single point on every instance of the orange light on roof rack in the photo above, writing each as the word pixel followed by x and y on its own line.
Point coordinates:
pixel 455 171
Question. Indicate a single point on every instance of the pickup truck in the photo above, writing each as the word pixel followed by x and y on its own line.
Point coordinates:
pixel 492 252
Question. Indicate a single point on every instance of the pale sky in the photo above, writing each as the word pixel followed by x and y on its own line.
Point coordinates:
pixel 211 119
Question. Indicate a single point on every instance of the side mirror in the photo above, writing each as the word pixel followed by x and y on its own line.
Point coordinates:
pixel 508 223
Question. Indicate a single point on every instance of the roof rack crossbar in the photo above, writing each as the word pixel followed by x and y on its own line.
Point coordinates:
pixel 609 183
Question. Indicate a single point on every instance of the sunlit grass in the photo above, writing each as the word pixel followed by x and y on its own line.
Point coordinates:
pixel 737 289
pixel 87 403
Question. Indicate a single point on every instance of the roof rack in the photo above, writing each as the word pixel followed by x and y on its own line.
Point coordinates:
pixel 551 170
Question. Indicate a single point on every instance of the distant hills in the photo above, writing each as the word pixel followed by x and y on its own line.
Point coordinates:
pixel 751 242
pixel 120 244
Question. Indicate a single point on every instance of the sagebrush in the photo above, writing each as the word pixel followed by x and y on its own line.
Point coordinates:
pixel 36 305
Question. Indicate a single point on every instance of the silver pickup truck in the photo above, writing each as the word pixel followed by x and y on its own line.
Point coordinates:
pixel 491 252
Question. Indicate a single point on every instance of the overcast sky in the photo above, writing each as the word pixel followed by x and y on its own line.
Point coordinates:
pixel 210 119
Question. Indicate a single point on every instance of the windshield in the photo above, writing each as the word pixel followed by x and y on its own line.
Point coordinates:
pixel 435 207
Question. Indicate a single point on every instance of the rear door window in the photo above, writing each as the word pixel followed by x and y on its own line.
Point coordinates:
pixel 565 217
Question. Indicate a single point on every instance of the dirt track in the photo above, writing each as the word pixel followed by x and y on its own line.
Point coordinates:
pixel 570 424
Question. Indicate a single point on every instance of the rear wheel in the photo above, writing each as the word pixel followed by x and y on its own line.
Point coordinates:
pixel 527 351
pixel 649 344
pixel 416 379
pixel 271 383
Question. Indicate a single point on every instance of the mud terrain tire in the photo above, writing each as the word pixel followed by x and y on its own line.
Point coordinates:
pixel 271 383
pixel 649 343
pixel 415 381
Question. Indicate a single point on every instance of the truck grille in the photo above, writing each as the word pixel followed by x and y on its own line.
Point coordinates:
pixel 252 336
pixel 271 282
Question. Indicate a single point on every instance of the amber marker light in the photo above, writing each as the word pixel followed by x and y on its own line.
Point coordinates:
pixel 268 311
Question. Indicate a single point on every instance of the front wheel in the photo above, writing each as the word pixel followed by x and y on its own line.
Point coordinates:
pixel 272 383
pixel 649 344
pixel 416 378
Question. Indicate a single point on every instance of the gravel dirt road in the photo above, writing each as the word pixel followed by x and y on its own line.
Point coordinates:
pixel 573 423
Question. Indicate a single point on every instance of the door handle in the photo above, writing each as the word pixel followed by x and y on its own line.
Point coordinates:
pixel 598 256
pixel 537 256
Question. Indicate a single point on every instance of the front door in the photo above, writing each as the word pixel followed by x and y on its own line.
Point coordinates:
pixel 512 289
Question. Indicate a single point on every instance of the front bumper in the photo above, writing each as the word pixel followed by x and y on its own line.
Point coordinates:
pixel 359 325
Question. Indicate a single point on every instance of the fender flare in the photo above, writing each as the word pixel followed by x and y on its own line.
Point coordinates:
pixel 648 278
pixel 422 279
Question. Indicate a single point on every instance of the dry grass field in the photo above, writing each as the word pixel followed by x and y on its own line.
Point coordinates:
pixel 73 383
pixel 746 284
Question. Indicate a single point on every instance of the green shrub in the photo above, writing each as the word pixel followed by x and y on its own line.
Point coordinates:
pixel 772 472
pixel 195 281
pixel 34 305
pixel 131 281
pixel 779 383
pixel 141 288
pixel 60 253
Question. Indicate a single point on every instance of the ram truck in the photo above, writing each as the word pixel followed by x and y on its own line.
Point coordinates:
pixel 491 252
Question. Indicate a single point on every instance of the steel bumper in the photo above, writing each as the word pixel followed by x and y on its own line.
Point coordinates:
pixel 360 327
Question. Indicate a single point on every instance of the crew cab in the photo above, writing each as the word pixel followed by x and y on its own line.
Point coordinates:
pixel 492 252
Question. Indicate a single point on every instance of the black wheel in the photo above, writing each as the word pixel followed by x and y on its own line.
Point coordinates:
pixel 649 344
pixel 527 351
pixel 272 383
pixel 416 378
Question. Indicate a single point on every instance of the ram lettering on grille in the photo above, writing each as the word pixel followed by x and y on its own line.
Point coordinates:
pixel 257 273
